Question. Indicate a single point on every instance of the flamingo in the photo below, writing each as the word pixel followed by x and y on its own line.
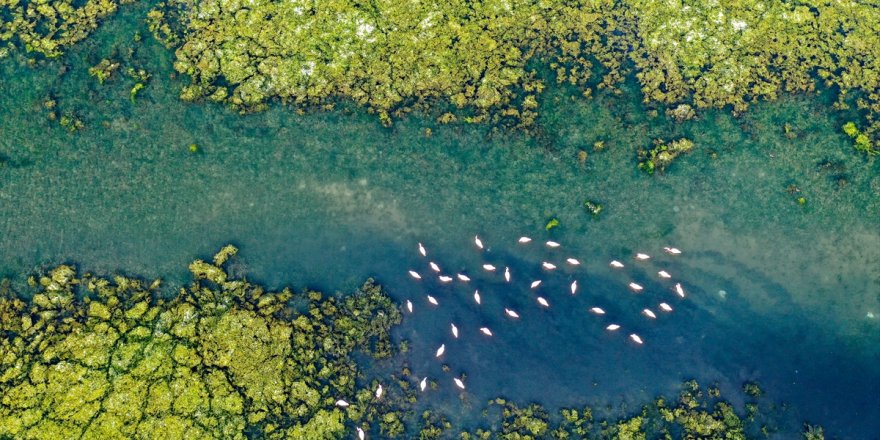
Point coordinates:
pixel 341 403
pixel 679 290
pixel 635 287
pixel 597 310
pixel 379 392
pixel 665 307
pixel 415 275
pixel 441 350
pixel 507 274
pixel 552 244
pixel 489 267
pixel 511 313
pixel 536 283
pixel 664 274
pixel 616 264
pixel 432 300
pixel 444 279
pixel 636 338
pixel 574 287
pixel 434 266
pixel 649 313
pixel 424 383
pixel 641 256
pixel 612 327
pixel 486 331
pixel 524 239
pixel 454 330
pixel 477 296
pixel 422 250
pixel 548 266
pixel 409 306
pixel 478 242
pixel 458 382
pixel 543 302
pixel 573 261
pixel 672 250
pixel 463 278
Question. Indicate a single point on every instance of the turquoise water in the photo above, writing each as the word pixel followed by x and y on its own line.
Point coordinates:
pixel 328 199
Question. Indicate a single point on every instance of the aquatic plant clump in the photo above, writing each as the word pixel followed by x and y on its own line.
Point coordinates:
pixel 48 27
pixel 94 357
pixel 662 155
pixel 691 416
pixel 477 57
pixel 389 56
pixel 733 53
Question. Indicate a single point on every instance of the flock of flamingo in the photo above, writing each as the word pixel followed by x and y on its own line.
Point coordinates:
pixel 434 270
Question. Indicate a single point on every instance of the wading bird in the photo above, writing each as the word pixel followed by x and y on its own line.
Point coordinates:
pixel 664 274
pixel 552 244
pixel 341 403
pixel 574 287
pixel 422 250
pixel 507 274
pixel 536 283
pixel 573 261
pixel 511 313
pixel 649 313
pixel 424 383
pixel 665 307
pixel 434 266
pixel 617 264
pixel 478 242
pixel 679 290
pixel 543 302
pixel 444 279
pixel 409 305
pixel 454 330
pixel 441 350
pixel 458 382
pixel 635 287
pixel 612 327
pixel 489 267
pixel 379 391
pixel 672 250
pixel 524 239
pixel 597 310
pixel 548 266
pixel 463 278
pixel 477 296
pixel 641 256
pixel 486 331
pixel 415 275
pixel 636 338
pixel 432 300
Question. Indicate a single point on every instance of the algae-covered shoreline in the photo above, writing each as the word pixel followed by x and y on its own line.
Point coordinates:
pixel 95 357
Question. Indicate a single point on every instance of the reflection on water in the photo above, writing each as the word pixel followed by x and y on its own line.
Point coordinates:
pixel 330 199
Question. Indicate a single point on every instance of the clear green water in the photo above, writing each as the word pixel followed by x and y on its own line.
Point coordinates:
pixel 329 199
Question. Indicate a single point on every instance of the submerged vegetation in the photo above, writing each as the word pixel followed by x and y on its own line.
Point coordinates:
pixel 489 61
pixel 96 357
pixel 476 58
pixel 109 358
pixel 659 157
pixel 48 27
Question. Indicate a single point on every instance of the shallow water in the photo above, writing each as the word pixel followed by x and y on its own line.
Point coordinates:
pixel 329 199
